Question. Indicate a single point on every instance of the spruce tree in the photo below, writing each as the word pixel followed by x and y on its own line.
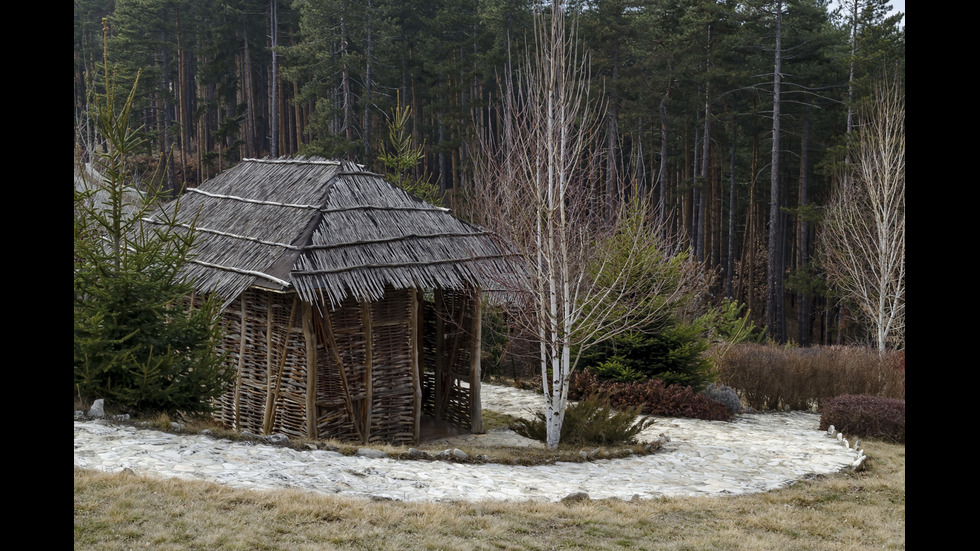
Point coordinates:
pixel 139 343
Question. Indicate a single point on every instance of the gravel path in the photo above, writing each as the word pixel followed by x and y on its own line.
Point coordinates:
pixel 754 453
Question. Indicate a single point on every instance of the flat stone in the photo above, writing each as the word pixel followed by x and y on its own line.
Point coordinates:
pixel 370 452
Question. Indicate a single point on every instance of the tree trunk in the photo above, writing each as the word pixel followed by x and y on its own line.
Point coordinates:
pixel 662 169
pixel 366 114
pixel 274 108
pixel 804 306
pixel 703 177
pixel 775 323
pixel 730 263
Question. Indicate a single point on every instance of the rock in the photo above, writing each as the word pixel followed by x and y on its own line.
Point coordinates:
pixel 831 430
pixel 97 409
pixel 207 432
pixel 122 417
pixel 177 427
pixel 858 463
pixel 250 435
pixel 460 454
pixel 584 455
pixel 278 439
pixel 414 453
pixel 370 453
pixel 575 497
pixel 79 414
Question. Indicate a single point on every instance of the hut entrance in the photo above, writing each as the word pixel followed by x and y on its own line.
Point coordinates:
pixel 380 365
pixel 450 363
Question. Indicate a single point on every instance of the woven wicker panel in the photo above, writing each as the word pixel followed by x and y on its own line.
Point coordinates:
pixel 288 350
pixel 224 405
pixel 254 377
pixel 393 395
pixel 249 344
pixel 333 420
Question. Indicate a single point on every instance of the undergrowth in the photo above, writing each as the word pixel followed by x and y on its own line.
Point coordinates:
pixel 590 422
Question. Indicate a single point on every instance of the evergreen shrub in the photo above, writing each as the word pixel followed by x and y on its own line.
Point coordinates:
pixel 673 352
pixel 866 416
pixel 591 422
pixel 139 342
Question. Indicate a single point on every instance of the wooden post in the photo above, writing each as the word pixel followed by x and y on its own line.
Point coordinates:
pixel 241 363
pixel 310 337
pixel 269 375
pixel 275 375
pixel 476 336
pixel 368 385
pixel 415 331
pixel 440 354
pixel 325 327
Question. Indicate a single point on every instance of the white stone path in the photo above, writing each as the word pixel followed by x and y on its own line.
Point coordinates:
pixel 754 453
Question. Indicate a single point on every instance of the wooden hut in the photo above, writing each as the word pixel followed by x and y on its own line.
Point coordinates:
pixel 351 309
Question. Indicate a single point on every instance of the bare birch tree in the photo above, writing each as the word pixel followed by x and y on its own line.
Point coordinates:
pixel 864 233
pixel 589 277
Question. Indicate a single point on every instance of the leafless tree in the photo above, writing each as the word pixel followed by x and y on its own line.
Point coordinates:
pixel 590 276
pixel 864 233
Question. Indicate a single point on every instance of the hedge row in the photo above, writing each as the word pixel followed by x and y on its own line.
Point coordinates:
pixel 867 416
pixel 778 377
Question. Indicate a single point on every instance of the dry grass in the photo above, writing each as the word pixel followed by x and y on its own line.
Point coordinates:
pixel 844 511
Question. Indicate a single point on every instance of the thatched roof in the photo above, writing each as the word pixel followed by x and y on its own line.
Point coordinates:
pixel 329 229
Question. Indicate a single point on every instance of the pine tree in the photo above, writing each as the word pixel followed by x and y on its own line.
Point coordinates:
pixel 138 342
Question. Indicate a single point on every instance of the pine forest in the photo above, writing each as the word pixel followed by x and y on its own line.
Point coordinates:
pixel 734 119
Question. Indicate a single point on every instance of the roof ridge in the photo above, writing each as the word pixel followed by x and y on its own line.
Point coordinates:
pixel 294 161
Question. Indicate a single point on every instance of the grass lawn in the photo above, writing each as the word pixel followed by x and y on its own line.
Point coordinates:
pixel 850 510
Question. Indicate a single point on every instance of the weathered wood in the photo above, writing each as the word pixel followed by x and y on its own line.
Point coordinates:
pixel 276 387
pixel 440 351
pixel 241 366
pixel 458 335
pixel 310 338
pixel 270 375
pixel 415 326
pixel 326 328
pixel 476 328
pixel 368 368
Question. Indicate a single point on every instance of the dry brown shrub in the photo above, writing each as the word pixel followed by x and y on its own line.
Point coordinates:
pixel 779 377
